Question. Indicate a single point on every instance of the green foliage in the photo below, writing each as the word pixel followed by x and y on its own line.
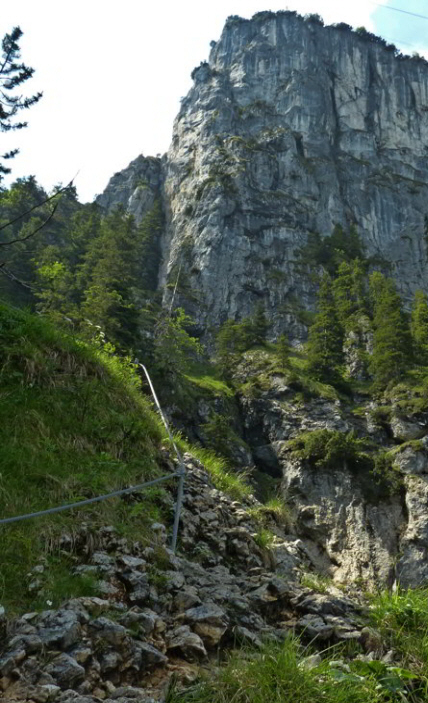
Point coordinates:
pixel 331 251
pixel 401 617
pixel 222 476
pixel 391 341
pixel 274 509
pixel 330 449
pixel 349 292
pixel 325 343
pixel 419 327
pixel 219 434
pixel 73 424
pixel 234 338
pixel 13 75
pixel 316 582
pixel 259 325
pixel 264 538
pixel 174 348
pixel 277 674
pixel 283 351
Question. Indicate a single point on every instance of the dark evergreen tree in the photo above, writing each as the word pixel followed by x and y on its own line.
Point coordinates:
pixel 13 74
pixel 392 342
pixel 349 292
pixel 108 277
pixel 325 343
pixel 259 325
pixel 419 327
pixel 283 351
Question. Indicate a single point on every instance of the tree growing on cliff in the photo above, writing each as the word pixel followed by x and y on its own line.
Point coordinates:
pixel 419 327
pixel 392 343
pixel 325 343
pixel 349 291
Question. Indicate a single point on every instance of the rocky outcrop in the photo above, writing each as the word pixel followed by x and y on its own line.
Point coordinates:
pixel 135 188
pixel 159 616
pixel 289 128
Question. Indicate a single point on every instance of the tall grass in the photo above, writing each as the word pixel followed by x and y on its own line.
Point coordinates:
pixel 73 425
pixel 279 674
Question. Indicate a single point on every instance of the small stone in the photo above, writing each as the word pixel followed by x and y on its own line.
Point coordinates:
pixel 108 630
pixel 187 643
pixel 371 640
pixel 311 662
pixel 65 671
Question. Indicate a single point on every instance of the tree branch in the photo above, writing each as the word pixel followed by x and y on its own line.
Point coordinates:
pixel 5 271
pixel 19 217
pixel 28 236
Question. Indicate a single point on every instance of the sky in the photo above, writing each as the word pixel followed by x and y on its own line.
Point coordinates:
pixel 112 74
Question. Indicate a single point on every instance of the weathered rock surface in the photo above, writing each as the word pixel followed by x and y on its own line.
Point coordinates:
pixel 289 128
pixel 93 648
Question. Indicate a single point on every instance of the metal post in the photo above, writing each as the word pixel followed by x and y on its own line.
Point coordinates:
pixel 178 506
pixel 181 470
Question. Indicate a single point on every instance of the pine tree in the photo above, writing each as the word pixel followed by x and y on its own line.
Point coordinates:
pixel 12 76
pixel 419 327
pixel 108 277
pixel 259 325
pixel 325 343
pixel 349 293
pixel 391 340
pixel 283 351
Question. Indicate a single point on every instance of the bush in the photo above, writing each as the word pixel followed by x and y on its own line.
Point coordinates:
pixel 330 449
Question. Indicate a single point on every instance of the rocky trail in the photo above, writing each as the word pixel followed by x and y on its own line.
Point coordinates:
pixel 161 617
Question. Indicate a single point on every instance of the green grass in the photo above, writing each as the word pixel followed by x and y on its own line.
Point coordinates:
pixel 223 478
pixel 277 674
pixel 73 424
pixel 205 376
pixel 273 509
pixel 402 620
pixel 316 582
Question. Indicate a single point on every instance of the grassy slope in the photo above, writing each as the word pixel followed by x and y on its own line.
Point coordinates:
pixel 73 424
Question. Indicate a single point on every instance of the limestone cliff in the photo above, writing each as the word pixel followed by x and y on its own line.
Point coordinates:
pixel 290 128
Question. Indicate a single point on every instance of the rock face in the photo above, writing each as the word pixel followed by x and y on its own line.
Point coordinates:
pixel 135 188
pixel 289 128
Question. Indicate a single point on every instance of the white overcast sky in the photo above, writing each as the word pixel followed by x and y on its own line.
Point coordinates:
pixel 113 73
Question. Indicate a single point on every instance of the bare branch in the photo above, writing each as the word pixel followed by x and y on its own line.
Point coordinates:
pixel 19 217
pixel 28 236
pixel 6 272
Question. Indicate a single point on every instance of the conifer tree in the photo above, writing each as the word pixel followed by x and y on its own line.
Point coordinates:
pixel 325 343
pixel 419 327
pixel 13 74
pixel 391 340
pixel 108 277
pixel 283 351
pixel 348 291
pixel 259 325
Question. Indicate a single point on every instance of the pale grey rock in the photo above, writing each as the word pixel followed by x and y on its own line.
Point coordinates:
pixel 412 461
pixel 314 628
pixel 108 631
pixel 412 566
pixel 65 671
pixel 150 655
pixel 187 643
pixel 135 188
pixel 290 128
pixel 404 430
pixel 209 622
pixel 60 629
pixel 345 532
pixel 311 662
